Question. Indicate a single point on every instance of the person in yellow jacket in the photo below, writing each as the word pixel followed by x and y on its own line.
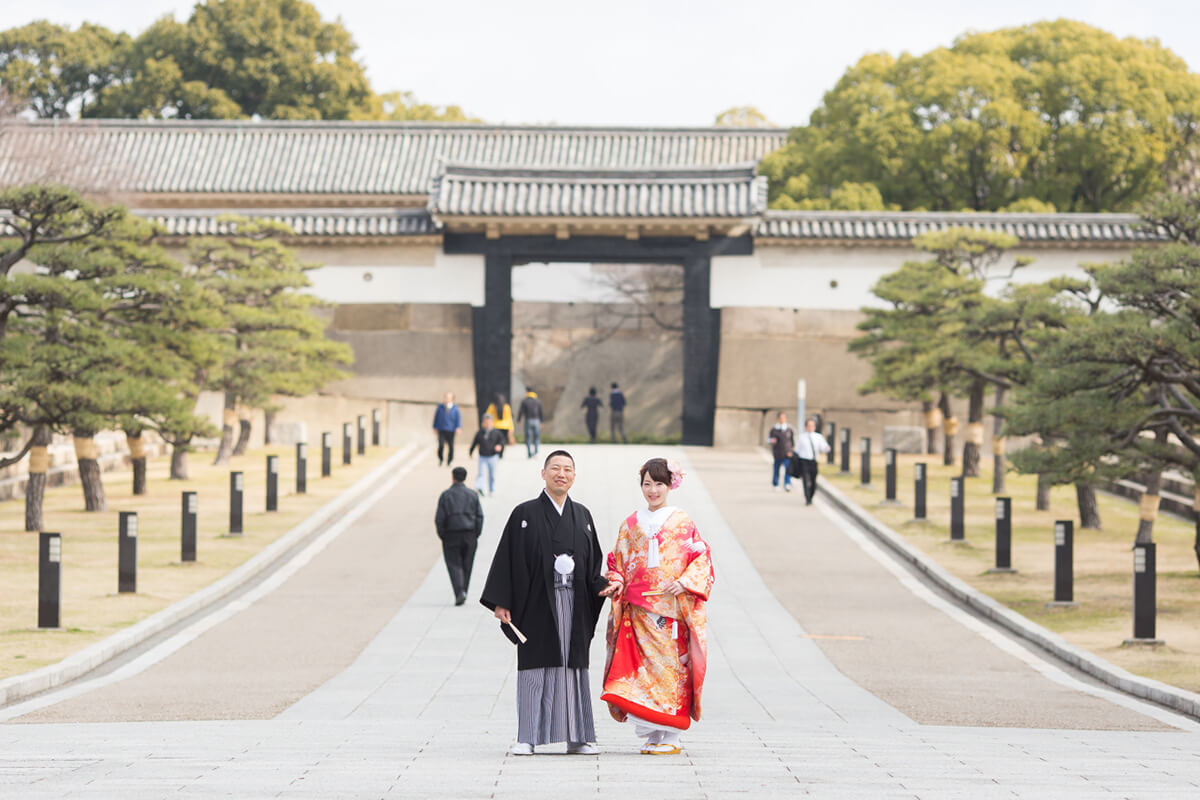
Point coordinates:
pixel 501 412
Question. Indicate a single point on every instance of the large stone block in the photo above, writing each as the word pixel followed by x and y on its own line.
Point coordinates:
pixel 904 438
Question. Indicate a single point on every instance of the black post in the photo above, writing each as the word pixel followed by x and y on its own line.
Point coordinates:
pixel 831 456
pixel 1144 593
pixel 376 424
pixel 301 467
pixel 236 489
pixel 272 483
pixel 49 579
pixel 889 475
pixel 865 470
pixel 919 491
pixel 326 454
pixel 1003 535
pixel 347 442
pixel 127 529
pixel 845 451
pixel 187 526
pixel 362 434
pixel 956 509
pixel 1064 561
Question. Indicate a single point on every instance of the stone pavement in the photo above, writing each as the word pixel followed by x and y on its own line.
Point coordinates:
pixel 427 708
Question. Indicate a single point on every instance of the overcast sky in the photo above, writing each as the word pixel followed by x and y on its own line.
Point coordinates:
pixel 648 62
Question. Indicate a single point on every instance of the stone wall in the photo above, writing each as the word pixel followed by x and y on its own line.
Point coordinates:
pixel 563 349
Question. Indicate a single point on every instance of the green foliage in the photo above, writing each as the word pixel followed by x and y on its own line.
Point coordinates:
pixel 59 72
pixel 1120 389
pixel 743 117
pixel 274 59
pixel 76 329
pixel 404 107
pixel 1056 112
pixel 272 342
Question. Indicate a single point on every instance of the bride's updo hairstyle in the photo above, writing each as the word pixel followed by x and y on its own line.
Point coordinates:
pixel 657 469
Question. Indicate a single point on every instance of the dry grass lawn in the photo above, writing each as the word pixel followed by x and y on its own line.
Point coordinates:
pixel 1103 562
pixel 91 607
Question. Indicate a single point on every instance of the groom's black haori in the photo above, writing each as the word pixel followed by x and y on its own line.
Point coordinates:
pixel 521 579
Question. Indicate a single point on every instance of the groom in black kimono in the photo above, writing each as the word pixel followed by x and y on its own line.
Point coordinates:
pixel 546 582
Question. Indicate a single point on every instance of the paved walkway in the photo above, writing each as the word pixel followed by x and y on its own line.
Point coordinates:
pixel 904 703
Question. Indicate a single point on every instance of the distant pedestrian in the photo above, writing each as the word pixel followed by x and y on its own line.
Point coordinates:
pixel 459 522
pixel 616 405
pixel 502 416
pixel 490 442
pixel 447 421
pixel 783 443
pixel 591 416
pixel 809 446
pixel 531 412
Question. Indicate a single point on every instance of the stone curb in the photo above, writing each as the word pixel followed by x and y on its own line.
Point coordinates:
pixel 19 687
pixel 1172 697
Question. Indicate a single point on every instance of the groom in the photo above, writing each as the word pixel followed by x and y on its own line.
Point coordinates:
pixel 545 582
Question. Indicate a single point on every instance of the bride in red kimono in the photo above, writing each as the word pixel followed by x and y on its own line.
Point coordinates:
pixel 657 647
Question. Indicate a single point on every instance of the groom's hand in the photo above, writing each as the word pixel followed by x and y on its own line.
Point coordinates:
pixel 503 614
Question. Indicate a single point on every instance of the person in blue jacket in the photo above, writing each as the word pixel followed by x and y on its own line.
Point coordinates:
pixel 447 421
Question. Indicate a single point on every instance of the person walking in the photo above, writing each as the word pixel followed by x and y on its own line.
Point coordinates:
pixel 491 445
pixel 546 588
pixel 531 412
pixel 447 421
pixel 616 407
pixel 501 413
pixel 783 442
pixel 808 447
pixel 459 521
pixel 592 405
pixel 657 629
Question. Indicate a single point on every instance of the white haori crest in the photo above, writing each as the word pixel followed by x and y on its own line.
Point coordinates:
pixel 524 524
pixel 564 564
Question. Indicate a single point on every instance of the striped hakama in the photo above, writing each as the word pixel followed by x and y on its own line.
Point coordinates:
pixel 554 703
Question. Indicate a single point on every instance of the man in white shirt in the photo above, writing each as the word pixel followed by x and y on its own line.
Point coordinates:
pixel 809 447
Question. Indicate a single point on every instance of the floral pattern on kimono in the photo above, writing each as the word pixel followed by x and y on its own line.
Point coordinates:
pixel 657 644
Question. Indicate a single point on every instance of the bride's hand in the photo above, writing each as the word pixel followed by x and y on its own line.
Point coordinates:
pixel 674 588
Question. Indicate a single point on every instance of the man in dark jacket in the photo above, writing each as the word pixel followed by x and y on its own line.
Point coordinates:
pixel 546 582
pixel 783 442
pixel 616 407
pixel 491 446
pixel 531 412
pixel 459 522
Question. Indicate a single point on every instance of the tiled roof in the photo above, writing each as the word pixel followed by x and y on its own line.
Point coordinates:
pixel 720 192
pixel 364 158
pixel 305 222
pixel 904 225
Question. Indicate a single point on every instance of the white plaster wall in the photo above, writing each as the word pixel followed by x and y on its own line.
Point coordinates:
pixel 443 279
pixel 840 278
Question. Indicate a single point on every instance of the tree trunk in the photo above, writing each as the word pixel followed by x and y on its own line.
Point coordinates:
pixel 1089 510
pixel 137 457
pixel 35 487
pixel 269 421
pixel 229 417
pixel 1148 507
pixel 949 429
pixel 932 423
pixel 179 464
pixel 999 467
pixel 243 440
pixel 1043 493
pixel 89 472
pixel 1196 517
pixel 974 438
